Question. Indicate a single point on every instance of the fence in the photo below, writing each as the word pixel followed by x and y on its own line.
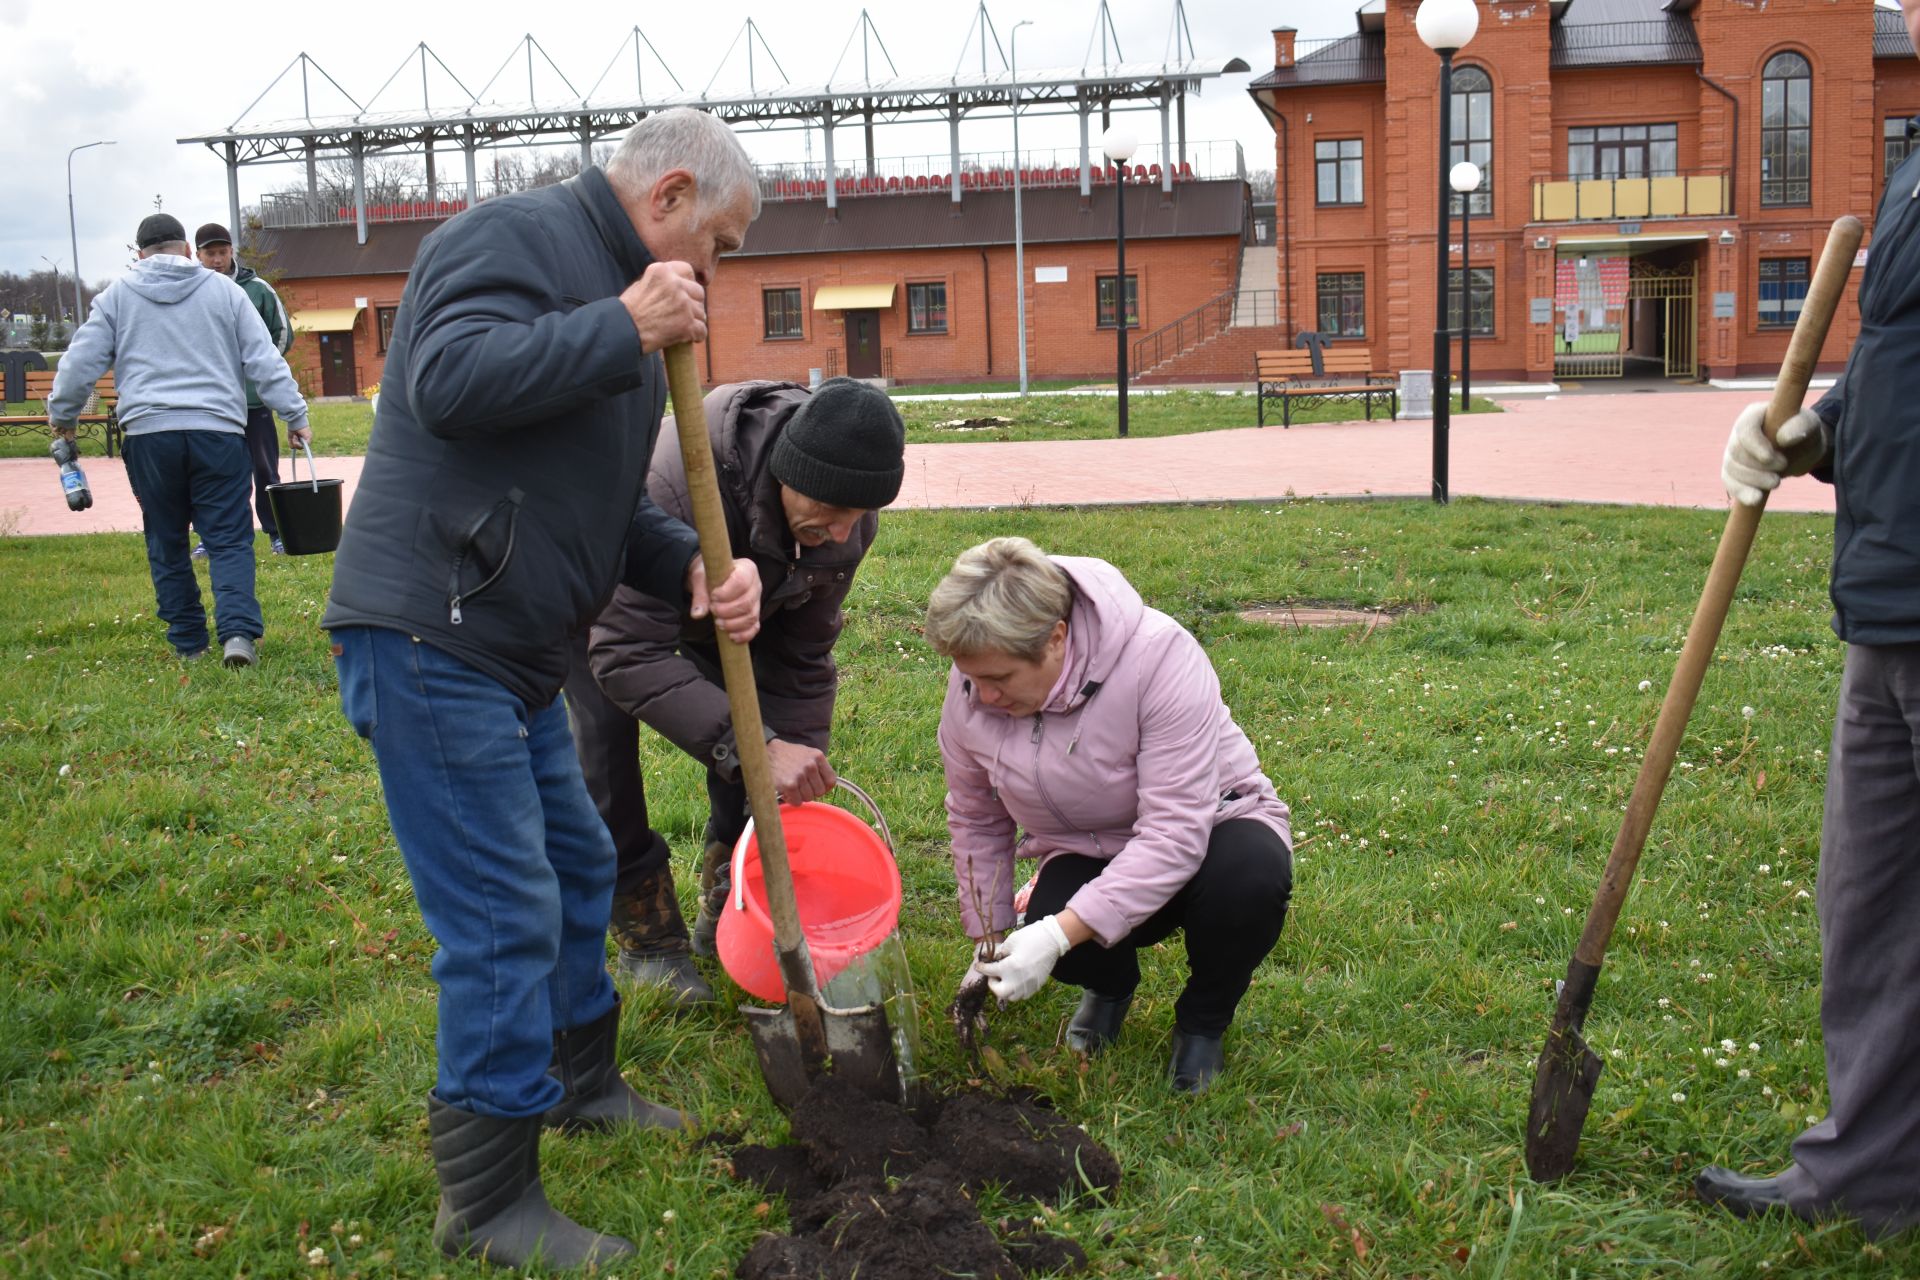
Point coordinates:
pixel 400 204
pixel 993 171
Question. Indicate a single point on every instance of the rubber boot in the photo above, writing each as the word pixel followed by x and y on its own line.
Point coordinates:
pixel 716 881
pixel 1197 1060
pixel 652 936
pixel 1096 1023
pixel 598 1097
pixel 492 1205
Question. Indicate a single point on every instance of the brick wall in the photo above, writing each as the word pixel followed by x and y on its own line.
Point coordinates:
pixel 981 340
pixel 332 292
pixel 1391 238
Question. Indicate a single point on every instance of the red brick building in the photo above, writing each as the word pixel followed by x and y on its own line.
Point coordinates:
pixel 1660 178
pixel 910 287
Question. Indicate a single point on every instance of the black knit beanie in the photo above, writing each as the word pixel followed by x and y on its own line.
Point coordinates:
pixel 846 447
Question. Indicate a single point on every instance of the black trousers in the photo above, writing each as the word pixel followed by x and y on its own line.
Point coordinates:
pixel 263 449
pixel 608 740
pixel 1231 913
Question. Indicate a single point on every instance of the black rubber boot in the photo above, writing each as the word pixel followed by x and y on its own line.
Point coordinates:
pixel 1096 1023
pixel 716 881
pixel 598 1098
pixel 1741 1196
pixel 652 938
pixel 1197 1060
pixel 492 1206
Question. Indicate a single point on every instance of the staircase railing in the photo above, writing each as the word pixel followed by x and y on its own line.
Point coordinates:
pixel 1234 308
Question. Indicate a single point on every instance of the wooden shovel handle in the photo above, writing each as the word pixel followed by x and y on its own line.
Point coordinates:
pixel 1809 335
pixel 743 699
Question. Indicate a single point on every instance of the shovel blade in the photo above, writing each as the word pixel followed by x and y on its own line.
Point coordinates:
pixel 859 1051
pixel 1562 1094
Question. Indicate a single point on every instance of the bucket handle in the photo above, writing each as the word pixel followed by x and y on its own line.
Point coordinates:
pixel 740 845
pixel 313 476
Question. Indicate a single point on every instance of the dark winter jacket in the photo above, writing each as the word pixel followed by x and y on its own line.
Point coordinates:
pixel 272 314
pixel 506 475
pixel 1874 411
pixel 660 666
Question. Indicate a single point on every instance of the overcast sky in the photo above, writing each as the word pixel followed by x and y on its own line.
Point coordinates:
pixel 80 70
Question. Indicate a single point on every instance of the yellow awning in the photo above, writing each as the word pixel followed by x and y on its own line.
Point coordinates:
pixel 849 297
pixel 326 320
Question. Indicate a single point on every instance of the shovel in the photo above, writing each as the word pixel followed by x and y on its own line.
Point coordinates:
pixel 1568 1070
pixel 807 1038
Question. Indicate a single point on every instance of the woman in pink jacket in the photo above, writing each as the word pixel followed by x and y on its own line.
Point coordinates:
pixel 1093 726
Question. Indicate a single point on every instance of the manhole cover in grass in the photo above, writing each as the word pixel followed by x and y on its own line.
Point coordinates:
pixel 1303 617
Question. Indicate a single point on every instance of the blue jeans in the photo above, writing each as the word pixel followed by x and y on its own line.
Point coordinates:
pixel 510 863
pixel 202 478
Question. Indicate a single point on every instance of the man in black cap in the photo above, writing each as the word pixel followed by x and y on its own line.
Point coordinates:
pixel 801 478
pixel 215 248
pixel 182 341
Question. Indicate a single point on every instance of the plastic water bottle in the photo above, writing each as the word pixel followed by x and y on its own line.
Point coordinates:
pixel 72 478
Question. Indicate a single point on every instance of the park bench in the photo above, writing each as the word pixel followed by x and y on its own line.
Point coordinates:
pixel 101 415
pixel 1344 374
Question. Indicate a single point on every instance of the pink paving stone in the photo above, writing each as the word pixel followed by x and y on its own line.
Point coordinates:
pixel 1654 449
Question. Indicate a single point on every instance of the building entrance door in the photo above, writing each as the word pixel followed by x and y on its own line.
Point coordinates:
pixel 863 343
pixel 1612 312
pixel 1672 292
pixel 336 365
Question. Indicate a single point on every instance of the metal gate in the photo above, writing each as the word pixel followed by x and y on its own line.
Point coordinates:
pixel 1674 290
pixel 1594 301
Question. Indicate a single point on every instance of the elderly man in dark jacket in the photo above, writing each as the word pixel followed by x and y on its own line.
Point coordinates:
pixel 503 498
pixel 801 477
pixel 1863 1158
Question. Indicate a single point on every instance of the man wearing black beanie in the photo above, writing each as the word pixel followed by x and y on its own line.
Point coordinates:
pixel 802 476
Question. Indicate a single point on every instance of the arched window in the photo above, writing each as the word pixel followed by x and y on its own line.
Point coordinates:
pixel 1473 132
pixel 1786 130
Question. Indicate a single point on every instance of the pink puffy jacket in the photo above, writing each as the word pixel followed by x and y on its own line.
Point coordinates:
pixel 1134 759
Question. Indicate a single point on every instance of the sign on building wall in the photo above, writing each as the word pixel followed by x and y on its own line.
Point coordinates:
pixel 1723 306
pixel 1049 275
pixel 1540 311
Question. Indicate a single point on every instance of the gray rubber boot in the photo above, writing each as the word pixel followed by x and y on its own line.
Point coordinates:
pixel 652 938
pixel 598 1098
pixel 492 1206
pixel 716 881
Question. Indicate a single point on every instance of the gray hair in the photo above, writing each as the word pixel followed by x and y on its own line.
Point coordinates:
pixel 696 141
pixel 1003 596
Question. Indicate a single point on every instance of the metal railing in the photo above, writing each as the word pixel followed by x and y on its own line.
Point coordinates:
pixel 992 171
pixel 400 204
pixel 1596 199
pixel 1235 309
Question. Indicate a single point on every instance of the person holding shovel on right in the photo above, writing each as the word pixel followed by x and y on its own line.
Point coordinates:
pixel 1863 1159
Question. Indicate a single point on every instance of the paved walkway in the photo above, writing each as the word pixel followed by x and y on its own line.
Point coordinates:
pixel 1657 449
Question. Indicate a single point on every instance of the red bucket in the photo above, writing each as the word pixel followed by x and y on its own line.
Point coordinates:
pixel 847 885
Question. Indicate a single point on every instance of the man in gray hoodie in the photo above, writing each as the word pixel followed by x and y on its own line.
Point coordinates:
pixel 182 341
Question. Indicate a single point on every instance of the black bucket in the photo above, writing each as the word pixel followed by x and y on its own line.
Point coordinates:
pixel 308 514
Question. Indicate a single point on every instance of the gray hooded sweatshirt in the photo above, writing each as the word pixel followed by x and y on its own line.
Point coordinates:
pixel 182 342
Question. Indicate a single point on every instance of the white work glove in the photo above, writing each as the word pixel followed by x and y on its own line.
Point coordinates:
pixel 1752 466
pixel 1026 958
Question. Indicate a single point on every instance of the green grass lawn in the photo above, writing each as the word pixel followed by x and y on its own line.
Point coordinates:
pixel 342 429
pixel 214 1058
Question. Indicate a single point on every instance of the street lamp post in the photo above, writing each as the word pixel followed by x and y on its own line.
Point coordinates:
pixel 73 235
pixel 1119 144
pixel 1019 239
pixel 1445 26
pixel 56 290
pixel 1464 178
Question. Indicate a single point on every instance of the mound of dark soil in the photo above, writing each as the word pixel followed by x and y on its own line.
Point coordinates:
pixel 876 1193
